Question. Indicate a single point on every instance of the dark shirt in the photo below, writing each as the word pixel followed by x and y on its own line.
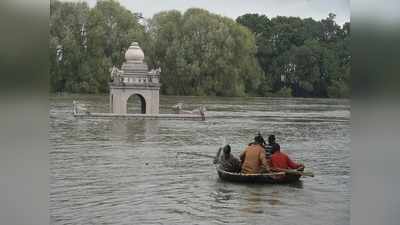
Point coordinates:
pixel 268 150
pixel 229 164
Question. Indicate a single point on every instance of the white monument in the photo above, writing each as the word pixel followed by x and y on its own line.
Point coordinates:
pixel 135 79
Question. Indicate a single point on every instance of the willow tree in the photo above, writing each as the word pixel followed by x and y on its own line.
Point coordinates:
pixel 91 40
pixel 201 53
pixel 66 49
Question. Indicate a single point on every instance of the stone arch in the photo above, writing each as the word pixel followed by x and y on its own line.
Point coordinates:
pixel 143 102
pixel 119 95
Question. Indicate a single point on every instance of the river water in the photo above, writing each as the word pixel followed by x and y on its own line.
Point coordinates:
pixel 108 171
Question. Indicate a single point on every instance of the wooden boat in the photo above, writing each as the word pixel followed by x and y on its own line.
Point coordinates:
pixel 266 178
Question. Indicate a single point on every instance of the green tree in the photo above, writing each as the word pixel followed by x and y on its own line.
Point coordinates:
pixel 66 20
pixel 302 57
pixel 92 41
pixel 201 53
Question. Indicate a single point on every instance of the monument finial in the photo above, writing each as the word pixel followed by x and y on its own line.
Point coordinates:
pixel 134 53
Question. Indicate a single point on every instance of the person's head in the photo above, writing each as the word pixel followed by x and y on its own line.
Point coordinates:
pixel 276 147
pixel 271 139
pixel 227 149
pixel 259 139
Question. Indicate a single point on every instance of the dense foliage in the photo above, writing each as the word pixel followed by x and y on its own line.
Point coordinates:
pixel 200 53
pixel 302 57
pixel 91 42
pixel 203 54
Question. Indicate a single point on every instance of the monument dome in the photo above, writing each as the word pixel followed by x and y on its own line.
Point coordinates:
pixel 134 53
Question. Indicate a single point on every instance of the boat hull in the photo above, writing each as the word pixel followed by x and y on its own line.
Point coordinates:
pixel 270 178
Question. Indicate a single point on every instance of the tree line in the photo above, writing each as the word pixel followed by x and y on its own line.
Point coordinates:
pixel 200 53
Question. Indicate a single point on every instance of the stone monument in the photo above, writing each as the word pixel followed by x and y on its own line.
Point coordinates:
pixel 134 78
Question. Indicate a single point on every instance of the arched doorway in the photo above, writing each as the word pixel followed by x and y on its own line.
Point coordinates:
pixel 136 104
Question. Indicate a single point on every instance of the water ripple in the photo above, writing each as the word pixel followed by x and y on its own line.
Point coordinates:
pixel 106 171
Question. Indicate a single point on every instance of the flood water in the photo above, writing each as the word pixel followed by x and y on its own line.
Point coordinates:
pixel 108 171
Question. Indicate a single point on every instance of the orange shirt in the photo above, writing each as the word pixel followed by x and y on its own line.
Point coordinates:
pixel 280 160
pixel 253 159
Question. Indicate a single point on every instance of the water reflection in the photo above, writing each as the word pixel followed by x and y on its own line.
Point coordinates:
pixel 297 184
pixel 253 201
pixel 136 131
pixel 274 199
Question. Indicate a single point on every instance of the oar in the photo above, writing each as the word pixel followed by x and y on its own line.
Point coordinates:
pixel 307 173
pixel 196 154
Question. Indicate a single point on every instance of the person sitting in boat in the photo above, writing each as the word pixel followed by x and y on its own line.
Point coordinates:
pixel 279 161
pixel 259 138
pixel 271 142
pixel 227 161
pixel 253 157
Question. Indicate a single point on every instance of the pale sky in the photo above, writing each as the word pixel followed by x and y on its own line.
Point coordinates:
pixel 317 9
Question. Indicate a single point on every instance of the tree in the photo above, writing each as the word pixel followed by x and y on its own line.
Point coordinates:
pixel 66 49
pixel 111 29
pixel 90 42
pixel 201 53
pixel 303 57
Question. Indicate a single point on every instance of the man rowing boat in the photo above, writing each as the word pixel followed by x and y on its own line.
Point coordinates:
pixel 227 161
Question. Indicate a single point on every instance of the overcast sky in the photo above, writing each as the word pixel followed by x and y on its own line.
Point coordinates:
pixel 317 9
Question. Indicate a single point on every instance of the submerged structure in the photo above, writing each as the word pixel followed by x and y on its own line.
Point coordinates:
pixel 134 78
